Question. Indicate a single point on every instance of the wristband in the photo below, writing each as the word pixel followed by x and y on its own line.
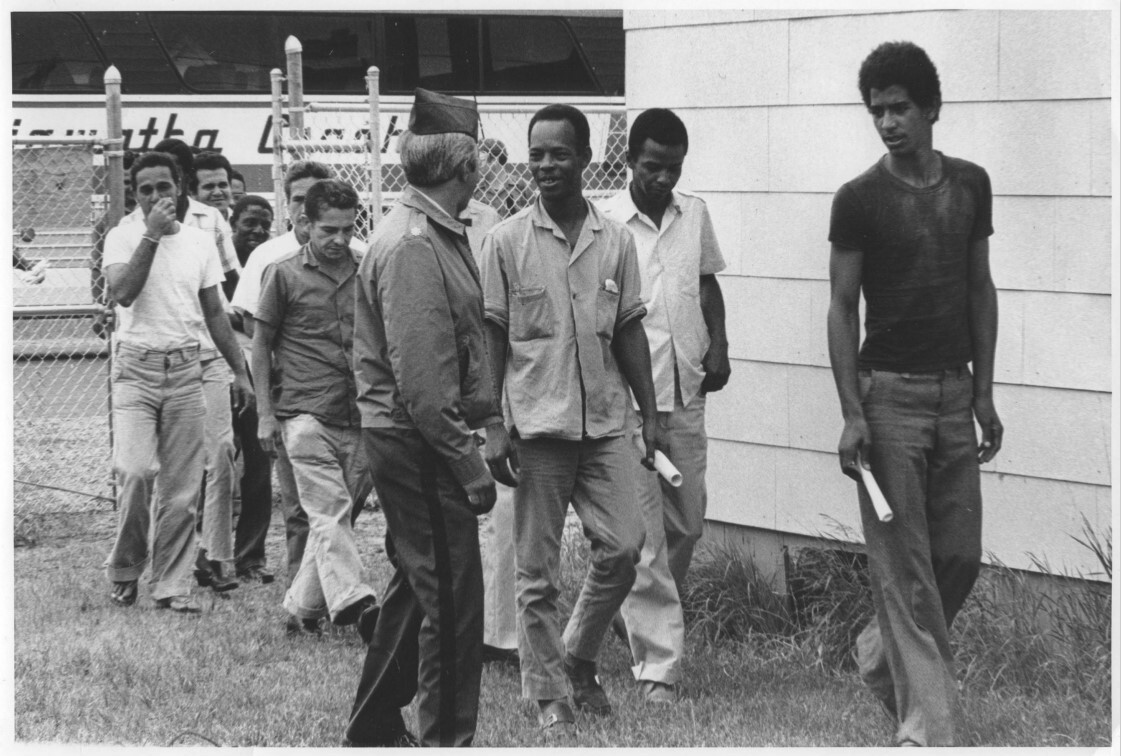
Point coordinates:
pixel 154 241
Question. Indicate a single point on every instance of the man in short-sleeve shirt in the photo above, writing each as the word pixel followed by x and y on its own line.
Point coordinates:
pixel 679 258
pixel 305 325
pixel 912 232
pixel 562 291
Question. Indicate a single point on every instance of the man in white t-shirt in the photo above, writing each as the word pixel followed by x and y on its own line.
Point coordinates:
pixel 214 563
pixel 164 276
pixel 679 258
pixel 298 179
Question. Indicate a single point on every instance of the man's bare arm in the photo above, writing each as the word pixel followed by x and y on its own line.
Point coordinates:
pixel 845 269
pixel 715 363
pixel 218 324
pixel 268 431
pixel 632 352
pixel 983 318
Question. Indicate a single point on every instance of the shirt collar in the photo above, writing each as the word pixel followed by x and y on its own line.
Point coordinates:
pixel 540 217
pixel 418 200
pixel 625 203
pixel 309 259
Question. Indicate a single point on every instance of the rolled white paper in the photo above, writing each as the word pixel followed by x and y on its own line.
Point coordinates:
pixel 666 469
pixel 879 503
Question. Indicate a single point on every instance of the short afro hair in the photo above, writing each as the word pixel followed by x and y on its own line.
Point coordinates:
pixel 246 202
pixel 568 113
pixel 659 125
pixel 903 64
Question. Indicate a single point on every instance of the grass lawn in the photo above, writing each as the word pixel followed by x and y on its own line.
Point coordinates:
pixel 88 672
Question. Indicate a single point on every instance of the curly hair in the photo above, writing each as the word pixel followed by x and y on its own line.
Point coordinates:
pixel 903 64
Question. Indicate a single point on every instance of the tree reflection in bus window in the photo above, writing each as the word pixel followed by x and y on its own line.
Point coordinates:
pixel 51 52
pixel 533 53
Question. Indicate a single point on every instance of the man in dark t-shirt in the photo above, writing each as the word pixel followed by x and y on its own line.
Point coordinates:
pixel 912 232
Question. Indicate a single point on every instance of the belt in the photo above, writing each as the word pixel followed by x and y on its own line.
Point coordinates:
pixel 961 371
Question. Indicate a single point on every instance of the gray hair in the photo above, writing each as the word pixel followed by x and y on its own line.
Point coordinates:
pixel 432 159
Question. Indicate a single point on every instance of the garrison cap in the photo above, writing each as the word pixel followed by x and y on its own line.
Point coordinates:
pixel 434 113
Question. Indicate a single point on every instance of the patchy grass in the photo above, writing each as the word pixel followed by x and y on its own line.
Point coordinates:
pixel 759 670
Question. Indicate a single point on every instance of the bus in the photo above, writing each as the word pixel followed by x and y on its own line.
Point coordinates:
pixel 204 77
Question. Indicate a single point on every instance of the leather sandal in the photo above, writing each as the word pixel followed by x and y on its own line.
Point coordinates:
pixel 124 592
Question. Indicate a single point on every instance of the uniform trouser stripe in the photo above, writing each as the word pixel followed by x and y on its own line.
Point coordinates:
pixel 446 598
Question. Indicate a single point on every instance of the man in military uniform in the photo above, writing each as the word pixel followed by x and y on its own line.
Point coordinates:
pixel 424 386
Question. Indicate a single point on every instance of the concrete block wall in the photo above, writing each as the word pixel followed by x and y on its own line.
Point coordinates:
pixel 776 126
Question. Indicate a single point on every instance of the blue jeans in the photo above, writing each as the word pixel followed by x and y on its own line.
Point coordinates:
pixel 158 418
pixel 924 562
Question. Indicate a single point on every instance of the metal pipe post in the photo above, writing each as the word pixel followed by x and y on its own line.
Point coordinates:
pixel 276 79
pixel 374 155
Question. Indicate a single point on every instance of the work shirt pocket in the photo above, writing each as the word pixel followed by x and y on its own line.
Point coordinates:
pixel 531 314
pixel 607 312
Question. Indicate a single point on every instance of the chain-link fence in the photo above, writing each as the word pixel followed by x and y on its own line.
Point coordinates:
pixel 339 135
pixel 62 434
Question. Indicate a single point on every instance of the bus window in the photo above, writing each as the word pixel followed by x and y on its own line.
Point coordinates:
pixel 532 53
pixel 51 52
pixel 234 52
pixel 432 51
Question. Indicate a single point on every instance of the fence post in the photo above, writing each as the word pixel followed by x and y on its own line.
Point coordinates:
pixel 294 52
pixel 115 167
pixel 114 153
pixel 374 156
pixel 275 80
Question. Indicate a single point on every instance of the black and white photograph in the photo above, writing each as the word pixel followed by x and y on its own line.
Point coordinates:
pixel 561 376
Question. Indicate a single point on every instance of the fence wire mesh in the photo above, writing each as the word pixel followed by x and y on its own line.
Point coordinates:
pixel 60 377
pixel 338 137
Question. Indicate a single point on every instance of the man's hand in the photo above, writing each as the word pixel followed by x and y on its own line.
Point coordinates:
pixel 498 450
pixel 268 434
pixel 243 397
pixel 102 324
pixel 481 494
pixel 716 366
pixel 161 218
pixel 649 441
pixel 856 441
pixel 992 431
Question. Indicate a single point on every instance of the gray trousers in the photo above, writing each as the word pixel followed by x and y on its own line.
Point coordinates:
pixel 597 476
pixel 924 562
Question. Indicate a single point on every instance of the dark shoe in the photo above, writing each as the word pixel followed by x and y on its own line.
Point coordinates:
pixel 294 626
pixel 203 574
pixel 348 615
pixel 403 739
pixel 256 574
pixel 556 718
pixel 495 655
pixel 179 604
pixel 367 621
pixel 220 581
pixel 124 593
pixel 587 694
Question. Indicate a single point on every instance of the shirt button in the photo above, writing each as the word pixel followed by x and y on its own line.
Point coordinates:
pixel 574 296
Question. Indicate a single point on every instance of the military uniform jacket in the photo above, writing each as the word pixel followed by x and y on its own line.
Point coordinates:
pixel 420 355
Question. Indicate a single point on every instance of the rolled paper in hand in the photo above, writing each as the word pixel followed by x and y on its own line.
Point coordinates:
pixel 666 469
pixel 879 503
